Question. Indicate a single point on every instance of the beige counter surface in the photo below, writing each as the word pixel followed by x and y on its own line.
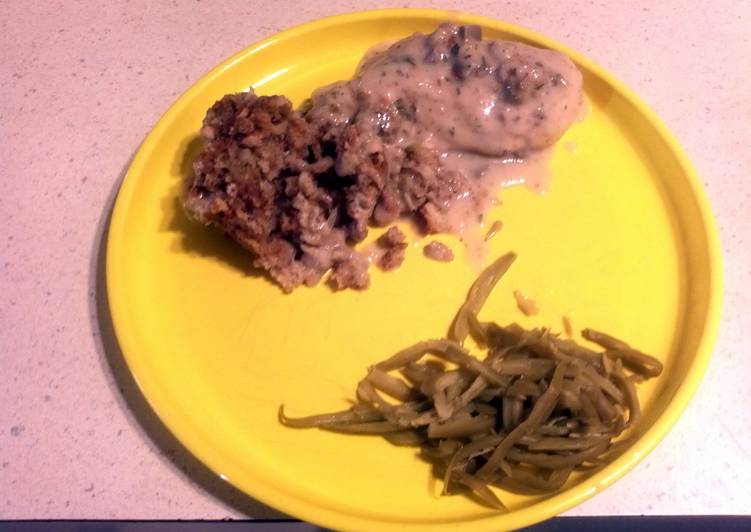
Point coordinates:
pixel 82 83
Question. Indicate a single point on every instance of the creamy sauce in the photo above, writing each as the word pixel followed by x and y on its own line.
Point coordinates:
pixel 488 176
pixel 480 96
pixel 491 109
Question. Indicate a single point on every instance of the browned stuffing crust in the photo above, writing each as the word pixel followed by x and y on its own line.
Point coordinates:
pixel 438 251
pixel 298 194
pixel 393 241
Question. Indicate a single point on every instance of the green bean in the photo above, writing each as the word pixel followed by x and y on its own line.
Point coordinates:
pixel 570 395
pixel 525 482
pixel 541 410
pixel 511 413
pixel 634 410
pixel 445 449
pixel 405 437
pixel 460 428
pixel 522 388
pixel 564 444
pixel 604 384
pixel 390 385
pixel 604 340
pixel 439 382
pixel 534 409
pixel 367 394
pixel 533 369
pixel 345 416
pixel 557 461
pixel 475 389
pixel 605 409
pixel 478 330
pixel 376 427
pixel 479 446
pixel 418 372
pixel 409 355
pixel 646 365
pixel 482 408
pixel 553 430
pixel 478 294
pixel 480 489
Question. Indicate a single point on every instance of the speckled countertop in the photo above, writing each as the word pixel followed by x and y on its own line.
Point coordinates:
pixel 82 83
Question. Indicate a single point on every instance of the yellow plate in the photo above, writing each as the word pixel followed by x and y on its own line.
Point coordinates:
pixel 624 241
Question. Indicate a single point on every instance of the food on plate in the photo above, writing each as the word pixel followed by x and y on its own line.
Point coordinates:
pixel 495 227
pixel 438 251
pixel 527 305
pixel 415 134
pixel 532 411
pixel 568 328
pixel 393 242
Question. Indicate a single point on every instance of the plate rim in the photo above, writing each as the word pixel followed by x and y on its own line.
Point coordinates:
pixel 282 500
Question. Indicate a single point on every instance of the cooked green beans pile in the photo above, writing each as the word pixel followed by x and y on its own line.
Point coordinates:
pixel 535 409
